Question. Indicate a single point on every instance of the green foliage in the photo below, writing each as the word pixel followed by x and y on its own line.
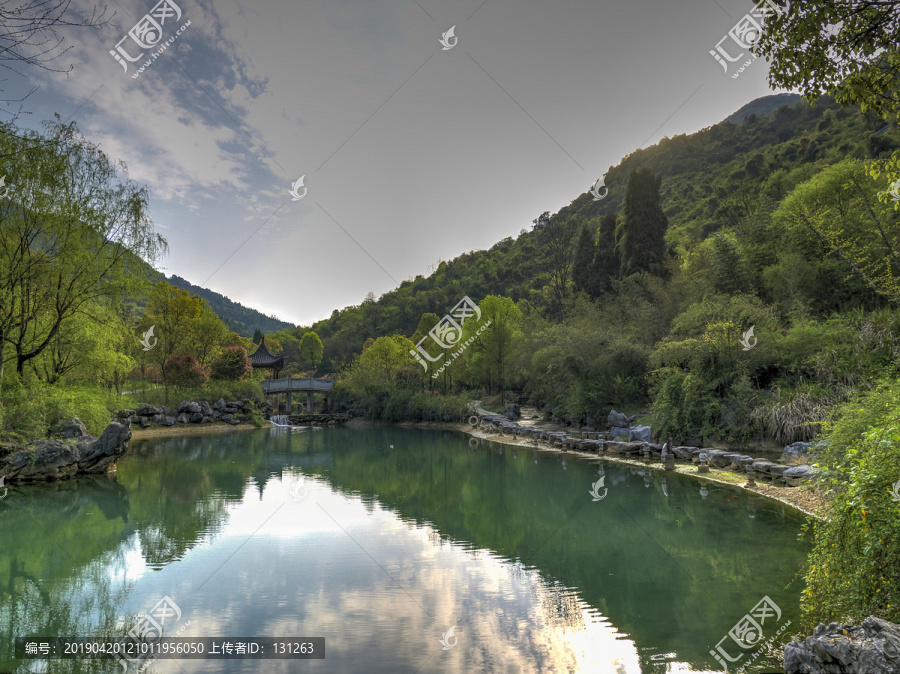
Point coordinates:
pixel 846 49
pixel 242 320
pixel 311 349
pixel 232 363
pixel 853 567
pixel 838 208
pixel 29 411
pixel 248 389
pixel 640 236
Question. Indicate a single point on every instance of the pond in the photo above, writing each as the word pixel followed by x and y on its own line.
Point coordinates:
pixel 381 540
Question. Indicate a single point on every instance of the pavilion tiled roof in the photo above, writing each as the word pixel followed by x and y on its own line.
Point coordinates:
pixel 262 357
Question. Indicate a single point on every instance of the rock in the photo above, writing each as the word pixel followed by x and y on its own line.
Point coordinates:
pixel 196 418
pixel 778 470
pixel 188 407
pixel 145 422
pixel 512 412
pixel 167 421
pixel 762 466
pixel 205 408
pixel 617 420
pixel 69 430
pixel 166 411
pixel 97 455
pixel 55 459
pixel 206 420
pixel 219 404
pixel 227 418
pixel 620 432
pixel 797 448
pixel 182 418
pixel 640 434
pixel 237 403
pixel 147 410
pixel 235 420
pixel 51 460
pixel 871 648
pixel 723 459
pixel 124 414
pixel 684 453
pixel 797 475
pixel 617 447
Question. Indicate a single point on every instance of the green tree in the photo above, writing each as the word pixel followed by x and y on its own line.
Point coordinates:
pixel 606 262
pixel 491 351
pixel 69 236
pixel 557 241
pixel 585 251
pixel 640 236
pixel 846 48
pixel 838 209
pixel 311 349
pixel 180 323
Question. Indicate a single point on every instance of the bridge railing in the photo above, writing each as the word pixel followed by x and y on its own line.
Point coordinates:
pixel 300 384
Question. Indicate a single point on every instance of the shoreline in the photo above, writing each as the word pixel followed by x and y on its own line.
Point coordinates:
pixel 809 502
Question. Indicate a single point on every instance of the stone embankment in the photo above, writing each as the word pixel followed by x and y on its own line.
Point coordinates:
pixel 319 419
pixel 232 412
pixel 599 442
pixel 73 452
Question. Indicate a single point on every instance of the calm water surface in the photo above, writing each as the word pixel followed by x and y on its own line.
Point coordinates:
pixel 381 540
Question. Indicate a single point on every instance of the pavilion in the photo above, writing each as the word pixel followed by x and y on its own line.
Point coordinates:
pixel 263 358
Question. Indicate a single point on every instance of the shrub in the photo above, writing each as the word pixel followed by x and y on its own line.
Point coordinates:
pixel 232 363
pixel 853 568
pixel 184 370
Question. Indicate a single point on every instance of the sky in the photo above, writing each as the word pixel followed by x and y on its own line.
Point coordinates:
pixel 412 150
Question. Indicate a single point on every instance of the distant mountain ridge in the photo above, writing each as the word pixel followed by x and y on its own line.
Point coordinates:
pixel 762 107
pixel 242 320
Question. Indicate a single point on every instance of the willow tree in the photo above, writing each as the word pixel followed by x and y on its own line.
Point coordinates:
pixel 73 229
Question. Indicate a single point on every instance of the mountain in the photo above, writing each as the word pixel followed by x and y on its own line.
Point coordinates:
pixel 242 320
pixel 710 180
pixel 762 107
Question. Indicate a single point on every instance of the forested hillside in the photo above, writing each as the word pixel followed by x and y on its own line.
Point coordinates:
pixel 240 319
pixel 716 179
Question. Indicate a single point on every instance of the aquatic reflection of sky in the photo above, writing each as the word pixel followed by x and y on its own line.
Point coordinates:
pixel 381 591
